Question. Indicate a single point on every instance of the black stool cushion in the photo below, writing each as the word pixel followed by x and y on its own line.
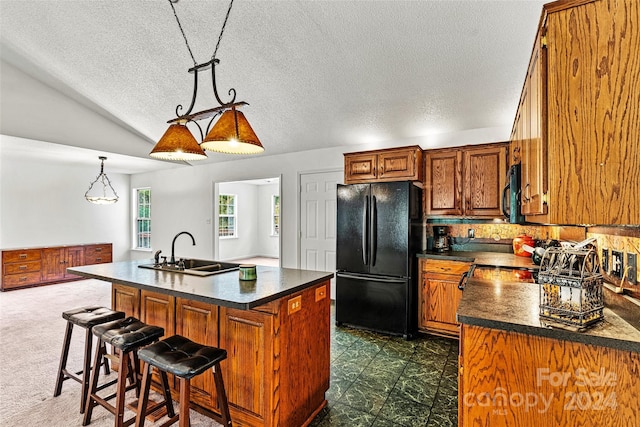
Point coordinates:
pixel 88 317
pixel 181 356
pixel 128 334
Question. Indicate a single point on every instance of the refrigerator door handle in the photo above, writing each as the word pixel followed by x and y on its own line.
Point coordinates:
pixel 374 230
pixel 365 235
pixel 375 279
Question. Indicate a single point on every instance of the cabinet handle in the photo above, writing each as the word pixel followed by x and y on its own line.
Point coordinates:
pixel 462 282
pixel 23 279
pixel 22 256
pixel 98 249
pixel 23 267
pixel 98 259
pixel 525 193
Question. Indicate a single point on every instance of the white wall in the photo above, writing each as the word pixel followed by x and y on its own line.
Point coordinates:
pixel 42 203
pixel 268 244
pixel 244 245
pixel 182 199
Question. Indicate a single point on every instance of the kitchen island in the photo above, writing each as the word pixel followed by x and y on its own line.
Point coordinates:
pixel 275 330
pixel 516 371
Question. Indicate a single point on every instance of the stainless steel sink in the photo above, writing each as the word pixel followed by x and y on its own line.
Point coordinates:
pixel 196 267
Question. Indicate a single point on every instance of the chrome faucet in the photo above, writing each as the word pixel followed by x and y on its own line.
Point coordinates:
pixel 172 261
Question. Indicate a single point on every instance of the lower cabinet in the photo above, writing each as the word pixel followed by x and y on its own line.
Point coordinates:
pixel 56 260
pixel 277 367
pixel 198 321
pixel 37 266
pixel 439 295
pixel 508 378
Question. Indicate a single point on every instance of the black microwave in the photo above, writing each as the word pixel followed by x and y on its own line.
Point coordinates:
pixel 511 196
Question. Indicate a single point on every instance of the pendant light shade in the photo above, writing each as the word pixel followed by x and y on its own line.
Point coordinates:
pixel 178 143
pixel 101 191
pixel 232 134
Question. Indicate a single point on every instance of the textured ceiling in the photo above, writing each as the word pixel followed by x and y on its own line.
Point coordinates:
pixel 315 73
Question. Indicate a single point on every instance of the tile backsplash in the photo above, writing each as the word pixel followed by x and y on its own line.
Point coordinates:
pixel 623 239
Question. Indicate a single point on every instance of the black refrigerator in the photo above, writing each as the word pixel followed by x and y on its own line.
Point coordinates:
pixel 379 231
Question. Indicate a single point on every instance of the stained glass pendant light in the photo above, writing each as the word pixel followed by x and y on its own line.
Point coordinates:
pixel 100 191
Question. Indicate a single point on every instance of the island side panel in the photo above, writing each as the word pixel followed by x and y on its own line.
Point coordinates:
pixel 278 367
pixel 509 378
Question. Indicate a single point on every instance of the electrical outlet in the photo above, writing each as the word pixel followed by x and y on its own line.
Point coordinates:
pixel 617 264
pixel 471 233
pixel 632 265
pixel 605 260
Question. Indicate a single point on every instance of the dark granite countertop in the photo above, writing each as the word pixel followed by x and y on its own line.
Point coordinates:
pixel 224 289
pixel 484 259
pixel 514 307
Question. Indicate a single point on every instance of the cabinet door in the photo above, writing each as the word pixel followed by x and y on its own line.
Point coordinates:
pixel 53 264
pixel 360 168
pixel 159 310
pixel 442 183
pixel 127 299
pixel 248 371
pixel 439 295
pixel 74 257
pixel 397 165
pixel 534 161
pixel 485 171
pixel 198 321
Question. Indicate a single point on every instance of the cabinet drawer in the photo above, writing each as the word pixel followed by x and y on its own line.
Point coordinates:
pixel 444 266
pixel 21 255
pixel 17 280
pixel 96 254
pixel 22 267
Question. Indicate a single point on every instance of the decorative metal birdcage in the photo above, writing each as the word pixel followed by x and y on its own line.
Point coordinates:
pixel 571 287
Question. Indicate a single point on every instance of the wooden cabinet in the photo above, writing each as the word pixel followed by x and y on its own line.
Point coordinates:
pixel 527 141
pixel 268 349
pixel 198 321
pixel 508 378
pixel 97 254
pixel 36 266
pixel 576 124
pixel 394 164
pixel 56 260
pixel 439 295
pixel 466 181
pixel 127 299
pixel 21 268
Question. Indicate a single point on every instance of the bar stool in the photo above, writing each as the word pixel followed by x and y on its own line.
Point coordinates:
pixel 87 318
pixel 185 359
pixel 127 336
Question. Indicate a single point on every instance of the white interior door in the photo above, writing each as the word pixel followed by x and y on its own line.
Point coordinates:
pixel 318 221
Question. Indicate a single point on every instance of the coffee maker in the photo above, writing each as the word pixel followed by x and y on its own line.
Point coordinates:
pixel 441 238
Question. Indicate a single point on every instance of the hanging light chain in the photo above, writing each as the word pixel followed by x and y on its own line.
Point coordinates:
pixel 222 30
pixel 186 42
pixel 182 31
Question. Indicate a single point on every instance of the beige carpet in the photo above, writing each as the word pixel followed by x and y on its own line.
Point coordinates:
pixel 31 333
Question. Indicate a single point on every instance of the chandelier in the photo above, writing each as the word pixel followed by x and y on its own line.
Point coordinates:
pixel 231 134
pixel 101 191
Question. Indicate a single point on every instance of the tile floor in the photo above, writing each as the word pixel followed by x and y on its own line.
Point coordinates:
pixel 383 381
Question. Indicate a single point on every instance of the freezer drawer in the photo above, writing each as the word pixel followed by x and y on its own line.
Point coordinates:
pixel 375 303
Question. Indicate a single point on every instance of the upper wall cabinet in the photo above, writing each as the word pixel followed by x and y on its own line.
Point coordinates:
pixel 576 131
pixel 466 181
pixel 394 164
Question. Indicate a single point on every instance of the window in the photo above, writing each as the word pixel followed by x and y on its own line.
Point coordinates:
pixel 227 224
pixel 143 218
pixel 275 215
